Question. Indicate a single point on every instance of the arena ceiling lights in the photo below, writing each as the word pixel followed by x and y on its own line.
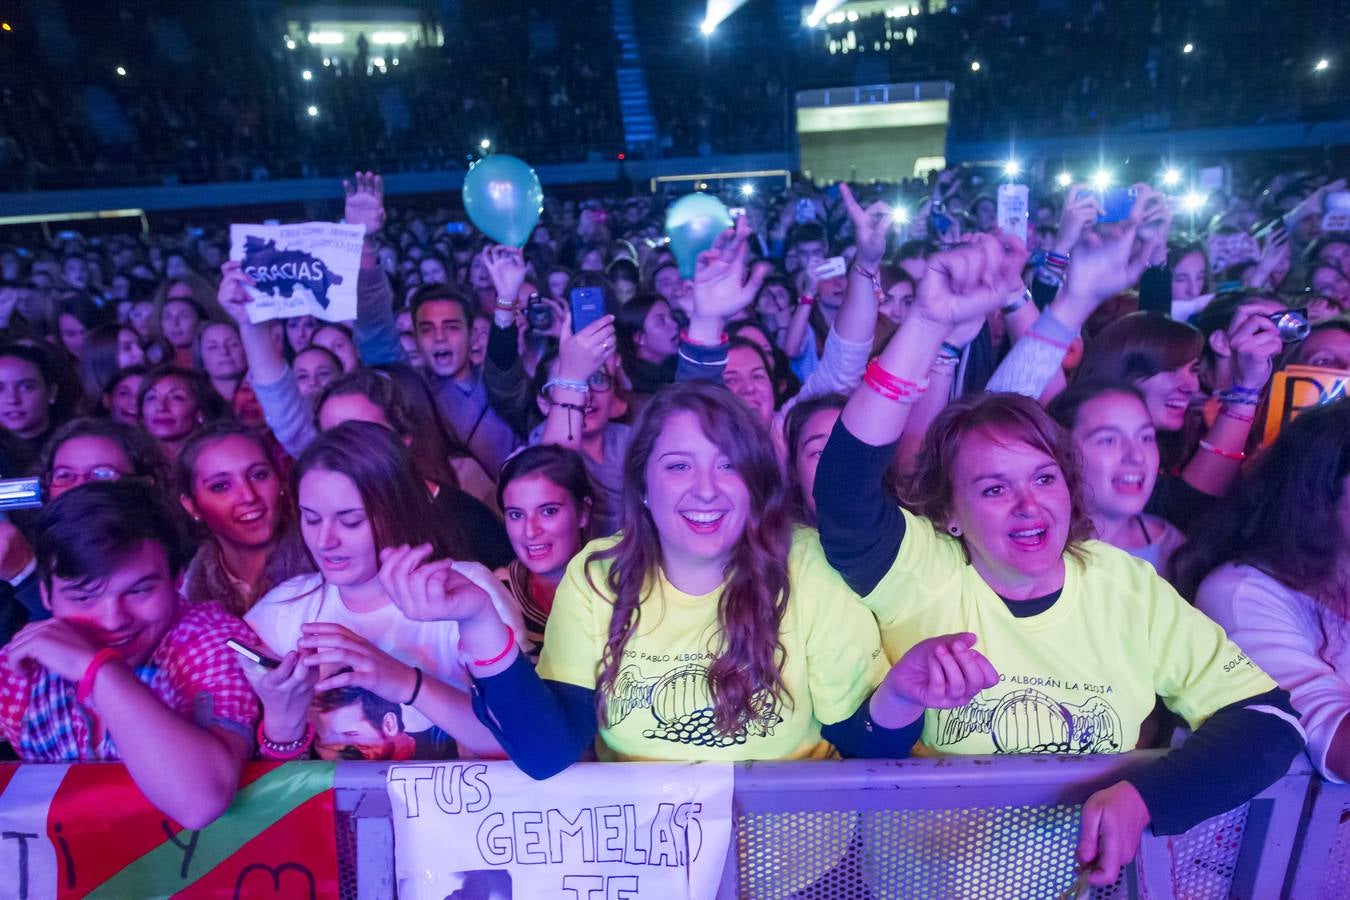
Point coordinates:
pixel 822 9
pixel 718 10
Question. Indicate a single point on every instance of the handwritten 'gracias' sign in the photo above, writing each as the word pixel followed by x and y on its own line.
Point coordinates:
pixel 298 270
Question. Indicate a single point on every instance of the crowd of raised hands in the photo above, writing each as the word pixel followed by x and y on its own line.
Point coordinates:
pixel 851 488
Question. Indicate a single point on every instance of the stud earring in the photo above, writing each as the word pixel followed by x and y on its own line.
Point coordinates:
pixel 955 530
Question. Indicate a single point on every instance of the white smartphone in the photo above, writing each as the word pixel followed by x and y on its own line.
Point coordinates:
pixel 834 267
pixel 1012 210
pixel 252 655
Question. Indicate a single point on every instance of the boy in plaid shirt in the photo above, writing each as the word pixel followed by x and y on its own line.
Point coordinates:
pixel 125 669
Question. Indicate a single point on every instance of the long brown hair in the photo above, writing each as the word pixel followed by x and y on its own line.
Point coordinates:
pixel 395 498
pixel 288 556
pixel 751 607
pixel 929 491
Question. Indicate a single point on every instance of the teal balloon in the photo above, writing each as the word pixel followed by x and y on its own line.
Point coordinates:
pixel 503 198
pixel 692 223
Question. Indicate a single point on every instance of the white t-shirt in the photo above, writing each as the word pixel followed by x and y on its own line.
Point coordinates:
pixel 1298 641
pixel 432 646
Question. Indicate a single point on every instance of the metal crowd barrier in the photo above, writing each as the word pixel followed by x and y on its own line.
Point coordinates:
pixel 959 827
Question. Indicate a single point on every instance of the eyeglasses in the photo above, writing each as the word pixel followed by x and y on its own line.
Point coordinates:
pixel 64 477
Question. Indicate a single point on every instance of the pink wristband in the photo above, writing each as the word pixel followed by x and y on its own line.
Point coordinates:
pixel 86 686
pixel 510 642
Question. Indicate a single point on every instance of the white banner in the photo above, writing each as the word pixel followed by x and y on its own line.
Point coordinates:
pixel 306 269
pixel 597 831
pixel 27 855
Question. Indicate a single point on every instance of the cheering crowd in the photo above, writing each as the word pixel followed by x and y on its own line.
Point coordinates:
pixel 952 493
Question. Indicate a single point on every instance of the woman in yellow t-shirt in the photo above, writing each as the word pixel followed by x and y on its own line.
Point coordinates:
pixel 1082 635
pixel 707 630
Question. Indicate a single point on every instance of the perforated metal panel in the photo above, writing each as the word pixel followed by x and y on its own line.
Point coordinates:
pixel 1205 858
pixel 345 825
pixel 995 853
pixel 1336 877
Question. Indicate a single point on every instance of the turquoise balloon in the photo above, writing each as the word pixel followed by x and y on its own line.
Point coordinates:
pixel 692 223
pixel 503 198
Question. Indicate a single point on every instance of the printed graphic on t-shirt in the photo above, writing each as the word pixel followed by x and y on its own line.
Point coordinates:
pixel 1032 721
pixel 681 705
pixel 354 723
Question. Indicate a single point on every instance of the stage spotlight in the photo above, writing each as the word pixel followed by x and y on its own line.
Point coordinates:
pixel 121 72
pixel 1101 179
pixel 1194 202
pixel 312 111
pixel 307 75
pixel 1012 168
pixel 900 216
pixel 747 190
pixel 975 66
pixel 1322 65
pixel 817 15
pixel 1188 47
pixel 485 144
pixel 1171 177
pixel 707 27
pixel 1064 179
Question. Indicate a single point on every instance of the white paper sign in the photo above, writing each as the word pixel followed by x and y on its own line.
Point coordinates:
pixel 304 269
pixel 597 831
pixel 1012 210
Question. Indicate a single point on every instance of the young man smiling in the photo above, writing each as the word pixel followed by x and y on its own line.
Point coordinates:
pixel 125 668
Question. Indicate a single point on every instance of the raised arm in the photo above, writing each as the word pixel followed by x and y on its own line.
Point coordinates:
pixel 849 344
pixel 288 413
pixel 1106 260
pixel 860 529
pixel 375 332
pixel 721 289
pixel 1254 341
pixel 579 357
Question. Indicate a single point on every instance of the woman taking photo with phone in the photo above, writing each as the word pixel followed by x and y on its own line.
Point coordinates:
pixel 993 540
pixel 338 630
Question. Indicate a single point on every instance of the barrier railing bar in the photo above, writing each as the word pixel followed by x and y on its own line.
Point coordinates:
pixel 1316 839
pixel 1289 831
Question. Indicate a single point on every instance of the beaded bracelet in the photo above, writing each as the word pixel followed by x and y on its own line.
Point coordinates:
pixel 270 749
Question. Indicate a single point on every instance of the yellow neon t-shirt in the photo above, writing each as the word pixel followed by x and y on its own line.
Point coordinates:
pixel 659 708
pixel 1077 678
